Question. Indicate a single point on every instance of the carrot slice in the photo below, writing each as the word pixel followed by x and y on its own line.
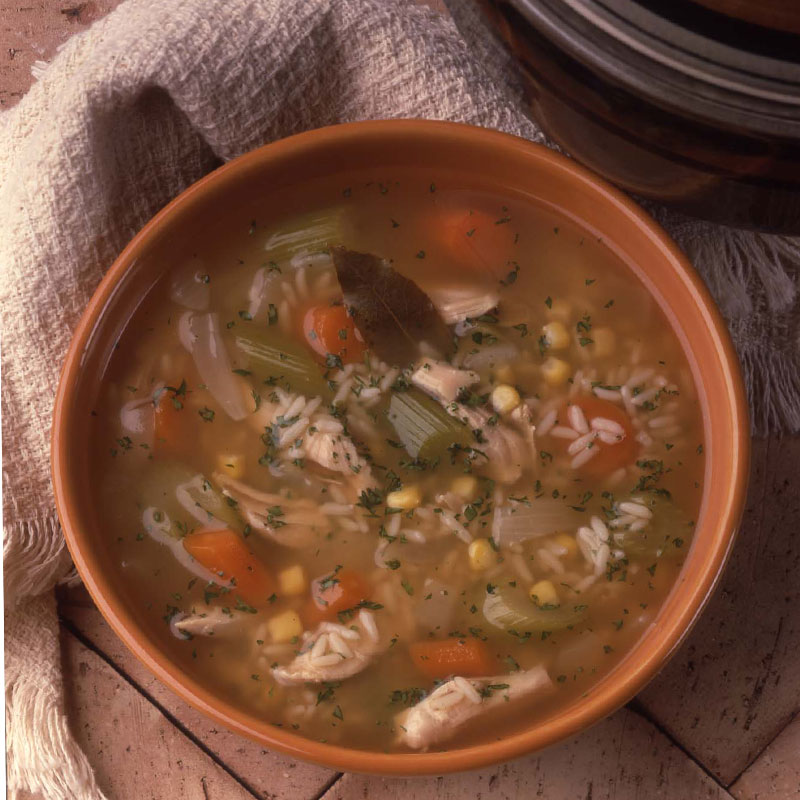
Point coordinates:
pixel 479 240
pixel 226 555
pixel 173 433
pixel 335 592
pixel 439 658
pixel 330 329
pixel 609 457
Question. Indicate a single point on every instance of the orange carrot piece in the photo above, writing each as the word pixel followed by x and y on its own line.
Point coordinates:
pixel 330 329
pixel 173 433
pixel 481 241
pixel 610 457
pixel 439 658
pixel 227 556
pixel 336 592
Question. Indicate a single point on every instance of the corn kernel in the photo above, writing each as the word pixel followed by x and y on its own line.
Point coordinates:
pixel 505 398
pixel 465 486
pixel 284 627
pixel 604 340
pixel 292 580
pixel 559 309
pixel 407 498
pixel 556 335
pixel 504 374
pixel 555 371
pixel 568 543
pixel 481 554
pixel 543 593
pixel 231 465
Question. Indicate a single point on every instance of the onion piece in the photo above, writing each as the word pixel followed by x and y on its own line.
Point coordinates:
pixel 211 358
pixel 517 522
pixel 188 286
pixel 138 417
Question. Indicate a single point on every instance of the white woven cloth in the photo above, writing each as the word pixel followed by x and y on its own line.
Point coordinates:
pixel 143 104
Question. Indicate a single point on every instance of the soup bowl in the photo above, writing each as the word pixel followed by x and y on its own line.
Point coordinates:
pixel 255 184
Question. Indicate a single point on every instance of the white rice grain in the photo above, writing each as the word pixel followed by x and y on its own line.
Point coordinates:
pixel 601 559
pixel 639 525
pixel 625 392
pixel 370 392
pixel 609 438
pixel 550 561
pixel 296 407
pixel 581 443
pixel 368 621
pixel 636 509
pixel 562 432
pixel 546 423
pixel 609 425
pixel 639 377
pixel 328 425
pixel 394 525
pixel 583 457
pixel 644 439
pixel 612 395
pixel 599 527
pixel 645 397
pixel 578 419
pixel 343 391
pixel 414 535
pixel 311 406
pixel 301 281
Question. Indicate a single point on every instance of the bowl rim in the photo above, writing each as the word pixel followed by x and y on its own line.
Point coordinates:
pixel 603 700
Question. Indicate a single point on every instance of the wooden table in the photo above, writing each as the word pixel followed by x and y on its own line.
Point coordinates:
pixel 719 722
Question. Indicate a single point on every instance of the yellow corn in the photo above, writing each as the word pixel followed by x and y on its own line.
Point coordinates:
pixel 555 371
pixel 604 341
pixel 465 486
pixel 292 580
pixel 505 398
pixel 407 498
pixel 568 543
pixel 231 465
pixel 543 593
pixel 556 335
pixel 284 627
pixel 481 555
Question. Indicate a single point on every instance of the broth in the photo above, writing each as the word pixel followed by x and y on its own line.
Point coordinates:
pixel 422 518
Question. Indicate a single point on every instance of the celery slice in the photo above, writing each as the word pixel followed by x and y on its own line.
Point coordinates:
pixel 510 610
pixel 315 232
pixel 424 428
pixel 276 360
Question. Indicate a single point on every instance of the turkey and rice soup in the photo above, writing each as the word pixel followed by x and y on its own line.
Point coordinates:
pixel 404 472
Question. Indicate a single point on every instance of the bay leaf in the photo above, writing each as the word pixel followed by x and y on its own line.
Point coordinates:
pixel 391 312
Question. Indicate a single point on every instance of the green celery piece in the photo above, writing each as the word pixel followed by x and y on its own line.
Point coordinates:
pixel 425 429
pixel 276 359
pixel 508 608
pixel 315 232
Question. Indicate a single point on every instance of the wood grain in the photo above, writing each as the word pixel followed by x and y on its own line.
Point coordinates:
pixel 622 758
pixel 135 750
pixel 735 683
pixel 776 772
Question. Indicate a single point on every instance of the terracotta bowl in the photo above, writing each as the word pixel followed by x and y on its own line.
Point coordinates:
pixel 500 162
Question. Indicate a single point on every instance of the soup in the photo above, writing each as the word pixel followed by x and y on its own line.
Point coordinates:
pixel 404 472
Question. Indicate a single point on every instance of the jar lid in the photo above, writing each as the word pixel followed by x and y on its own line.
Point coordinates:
pixel 684 56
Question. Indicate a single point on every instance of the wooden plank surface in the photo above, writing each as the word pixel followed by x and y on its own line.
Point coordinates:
pixel 136 752
pixel 776 772
pixel 735 683
pixel 622 758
